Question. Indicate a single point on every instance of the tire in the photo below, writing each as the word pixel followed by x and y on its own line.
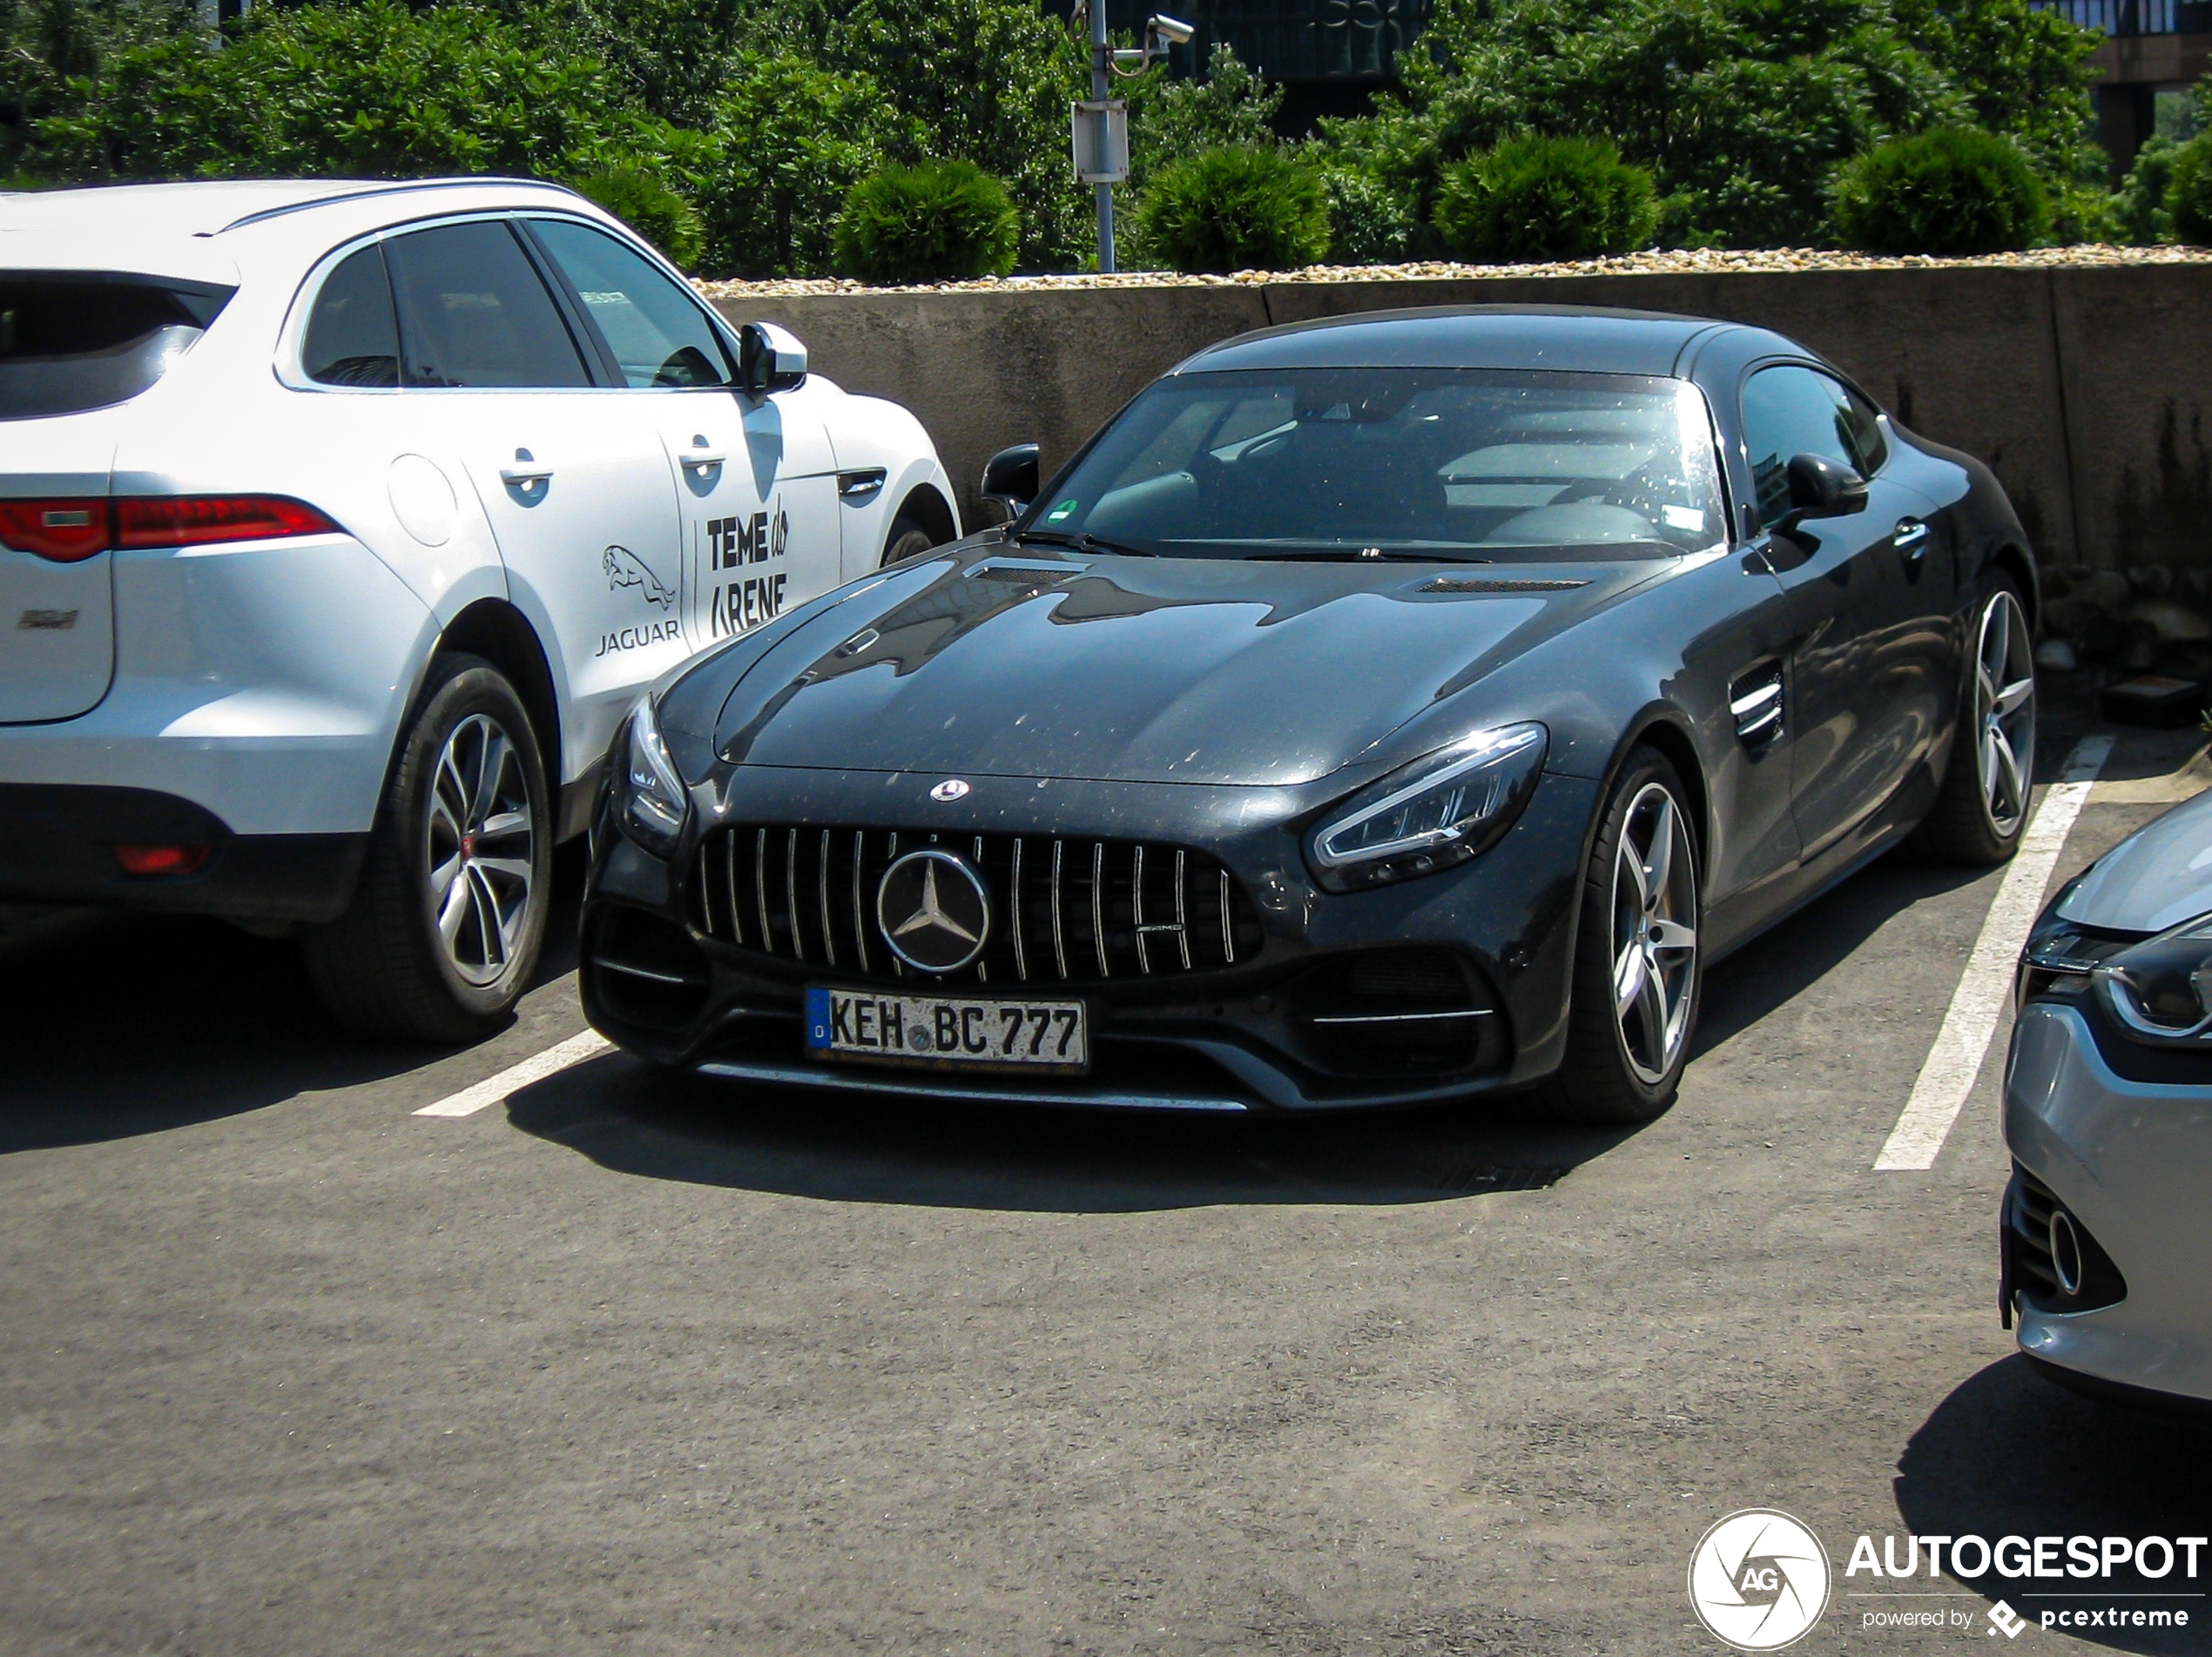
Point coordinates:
pixel 909 538
pixel 386 967
pixel 1637 915
pixel 1981 810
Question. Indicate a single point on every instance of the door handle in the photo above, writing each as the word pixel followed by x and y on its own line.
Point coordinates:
pixel 527 479
pixel 1911 538
pixel 702 462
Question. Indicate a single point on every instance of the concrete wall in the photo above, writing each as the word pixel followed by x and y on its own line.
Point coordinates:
pixel 2088 388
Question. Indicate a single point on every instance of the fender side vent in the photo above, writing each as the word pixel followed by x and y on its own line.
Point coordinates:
pixel 1755 700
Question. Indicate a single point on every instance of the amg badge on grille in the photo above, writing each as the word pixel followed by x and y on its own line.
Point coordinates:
pixel 933 911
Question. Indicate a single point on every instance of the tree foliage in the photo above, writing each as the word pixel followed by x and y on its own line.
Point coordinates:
pixel 372 90
pixel 2188 191
pixel 1742 108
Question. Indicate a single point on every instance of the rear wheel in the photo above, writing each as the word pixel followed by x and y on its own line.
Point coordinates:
pixel 446 929
pixel 1637 964
pixel 1981 812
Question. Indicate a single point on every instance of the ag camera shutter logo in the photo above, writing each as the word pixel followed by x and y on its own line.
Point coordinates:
pixel 1758 1579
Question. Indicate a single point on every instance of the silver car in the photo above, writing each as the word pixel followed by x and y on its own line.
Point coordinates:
pixel 2107 1254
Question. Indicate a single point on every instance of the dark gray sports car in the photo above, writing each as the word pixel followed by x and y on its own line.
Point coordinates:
pixel 1374 711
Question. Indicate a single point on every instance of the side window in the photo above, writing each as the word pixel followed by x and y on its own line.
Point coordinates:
pixel 653 330
pixel 353 338
pixel 474 313
pixel 1792 411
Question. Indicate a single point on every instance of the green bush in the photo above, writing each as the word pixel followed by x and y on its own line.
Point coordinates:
pixel 1369 222
pixel 2189 193
pixel 942 221
pixel 651 209
pixel 1245 207
pixel 1546 197
pixel 2139 206
pixel 1955 189
pixel 788 142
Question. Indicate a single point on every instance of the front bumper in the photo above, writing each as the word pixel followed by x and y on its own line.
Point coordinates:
pixel 1236 1038
pixel 2131 1162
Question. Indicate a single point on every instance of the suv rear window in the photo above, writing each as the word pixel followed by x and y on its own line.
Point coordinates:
pixel 72 340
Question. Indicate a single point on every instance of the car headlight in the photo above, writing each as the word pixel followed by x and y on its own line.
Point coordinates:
pixel 1443 809
pixel 2160 989
pixel 650 795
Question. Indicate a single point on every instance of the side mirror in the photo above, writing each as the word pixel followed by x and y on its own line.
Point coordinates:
pixel 1010 480
pixel 769 359
pixel 1821 488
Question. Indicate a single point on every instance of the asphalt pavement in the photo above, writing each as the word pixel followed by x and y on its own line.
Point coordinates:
pixel 637 1364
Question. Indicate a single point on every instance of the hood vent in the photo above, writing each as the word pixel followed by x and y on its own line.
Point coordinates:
pixel 1499 585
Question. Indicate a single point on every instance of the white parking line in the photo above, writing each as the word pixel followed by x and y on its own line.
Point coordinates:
pixel 493 1090
pixel 1953 1064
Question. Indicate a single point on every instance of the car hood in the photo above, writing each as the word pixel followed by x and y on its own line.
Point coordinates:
pixel 992 662
pixel 2159 876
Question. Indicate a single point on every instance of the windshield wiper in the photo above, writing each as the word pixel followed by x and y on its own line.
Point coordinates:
pixel 1080 541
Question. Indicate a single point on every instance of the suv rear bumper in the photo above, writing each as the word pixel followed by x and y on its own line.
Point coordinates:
pixel 58 847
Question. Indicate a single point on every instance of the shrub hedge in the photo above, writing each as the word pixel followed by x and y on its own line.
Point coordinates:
pixel 1955 189
pixel 1535 198
pixel 651 209
pixel 1243 207
pixel 2188 191
pixel 942 221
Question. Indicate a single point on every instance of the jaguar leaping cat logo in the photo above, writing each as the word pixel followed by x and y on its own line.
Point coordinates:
pixel 625 568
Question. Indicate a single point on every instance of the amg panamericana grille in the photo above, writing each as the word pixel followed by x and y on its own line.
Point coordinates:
pixel 1063 911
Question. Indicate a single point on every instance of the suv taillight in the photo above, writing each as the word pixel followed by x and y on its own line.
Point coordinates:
pixel 67 532
pixel 64 532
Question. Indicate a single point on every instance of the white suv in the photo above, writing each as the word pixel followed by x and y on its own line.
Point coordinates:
pixel 340 526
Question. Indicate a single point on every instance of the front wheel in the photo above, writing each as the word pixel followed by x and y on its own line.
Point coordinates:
pixel 446 928
pixel 1637 964
pixel 1981 811
pixel 908 538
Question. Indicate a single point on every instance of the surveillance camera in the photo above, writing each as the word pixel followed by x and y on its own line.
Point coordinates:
pixel 1172 29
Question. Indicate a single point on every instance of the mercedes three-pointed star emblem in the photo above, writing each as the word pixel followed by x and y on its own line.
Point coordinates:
pixel 933 911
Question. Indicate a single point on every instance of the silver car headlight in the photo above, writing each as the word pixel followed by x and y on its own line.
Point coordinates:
pixel 651 797
pixel 1441 810
pixel 2160 990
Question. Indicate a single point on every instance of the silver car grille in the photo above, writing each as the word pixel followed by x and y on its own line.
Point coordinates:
pixel 1062 910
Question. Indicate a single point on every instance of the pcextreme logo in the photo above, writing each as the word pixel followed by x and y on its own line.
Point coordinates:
pixel 1758 1579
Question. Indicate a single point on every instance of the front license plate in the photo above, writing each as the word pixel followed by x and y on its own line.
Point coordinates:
pixel 947 1030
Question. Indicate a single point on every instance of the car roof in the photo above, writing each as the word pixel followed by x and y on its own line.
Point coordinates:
pixel 180 229
pixel 1561 338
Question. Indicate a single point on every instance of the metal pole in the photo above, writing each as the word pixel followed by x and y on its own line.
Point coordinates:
pixel 1101 89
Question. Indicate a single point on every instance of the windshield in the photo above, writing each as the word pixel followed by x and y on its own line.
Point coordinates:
pixel 1450 465
pixel 73 341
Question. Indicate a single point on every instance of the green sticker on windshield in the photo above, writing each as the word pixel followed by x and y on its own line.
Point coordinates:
pixel 1062 510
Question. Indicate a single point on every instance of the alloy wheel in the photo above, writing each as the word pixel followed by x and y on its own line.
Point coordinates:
pixel 482 846
pixel 1655 937
pixel 2005 711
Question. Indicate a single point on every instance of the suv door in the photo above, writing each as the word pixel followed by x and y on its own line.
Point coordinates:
pixel 1869 680
pixel 755 480
pixel 575 485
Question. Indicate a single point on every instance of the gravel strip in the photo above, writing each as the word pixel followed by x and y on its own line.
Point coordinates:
pixel 1681 261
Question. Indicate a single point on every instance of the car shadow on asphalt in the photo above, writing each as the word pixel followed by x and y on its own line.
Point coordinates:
pixel 115 1026
pixel 1778 965
pixel 2010 1454
pixel 633 1119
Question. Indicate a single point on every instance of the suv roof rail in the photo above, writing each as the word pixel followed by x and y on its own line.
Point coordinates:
pixel 399 187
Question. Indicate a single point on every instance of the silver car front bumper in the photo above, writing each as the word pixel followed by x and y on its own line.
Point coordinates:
pixel 2132 1162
